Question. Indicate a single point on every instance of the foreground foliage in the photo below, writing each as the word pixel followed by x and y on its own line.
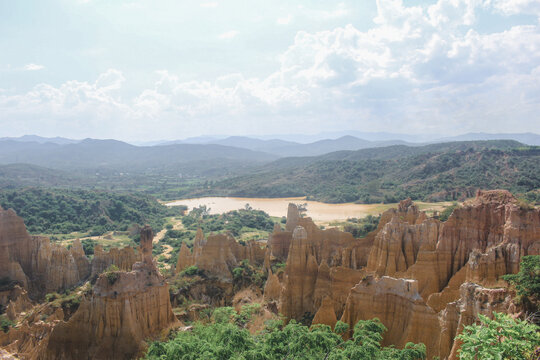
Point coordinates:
pixel 226 339
pixel 527 282
pixel 500 338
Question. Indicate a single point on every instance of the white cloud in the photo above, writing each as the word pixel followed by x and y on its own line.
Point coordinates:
pixel 33 67
pixel 228 34
pixel 285 20
pixel 212 4
pixel 418 68
pixel 513 7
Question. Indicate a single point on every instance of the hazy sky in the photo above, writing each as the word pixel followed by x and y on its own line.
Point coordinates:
pixel 160 69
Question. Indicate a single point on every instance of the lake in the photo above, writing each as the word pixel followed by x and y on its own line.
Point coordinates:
pixel 318 211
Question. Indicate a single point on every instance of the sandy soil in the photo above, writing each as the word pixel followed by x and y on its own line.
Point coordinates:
pixel 318 211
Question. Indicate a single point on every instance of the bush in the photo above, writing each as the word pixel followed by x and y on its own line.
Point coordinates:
pixel 247 275
pixel 445 214
pixel 246 313
pixel 88 246
pixel 5 323
pixel 112 273
pixel 222 339
pixel 500 338
pixel 52 296
pixel 527 280
pixel 191 271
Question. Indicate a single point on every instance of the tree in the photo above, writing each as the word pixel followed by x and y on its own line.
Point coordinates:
pixel 222 339
pixel 500 338
pixel 302 209
pixel 527 281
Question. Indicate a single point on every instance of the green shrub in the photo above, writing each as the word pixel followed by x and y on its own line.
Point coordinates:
pixel 52 296
pixel 445 214
pixel 247 275
pixel 224 315
pixel 247 311
pixel 223 339
pixel 88 246
pixel 527 280
pixel 112 273
pixel 191 271
pixel 500 338
pixel 5 323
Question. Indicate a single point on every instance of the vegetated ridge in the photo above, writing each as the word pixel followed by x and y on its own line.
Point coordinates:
pixel 447 171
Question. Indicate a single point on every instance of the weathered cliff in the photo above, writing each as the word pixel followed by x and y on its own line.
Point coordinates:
pixel 218 254
pixel 38 265
pixel 428 261
pixel 399 306
pixel 123 258
pixel 474 300
pixel 124 309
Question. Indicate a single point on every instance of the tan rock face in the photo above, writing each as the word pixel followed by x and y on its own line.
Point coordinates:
pixel 300 277
pixel 428 260
pixel 474 300
pixel 185 259
pixel 272 288
pixel 34 262
pixel 218 254
pixel 326 314
pixel 123 258
pixel 124 310
pixel 399 306
pixel 147 235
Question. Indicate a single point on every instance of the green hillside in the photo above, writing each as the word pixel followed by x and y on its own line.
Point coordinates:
pixel 64 211
pixel 435 172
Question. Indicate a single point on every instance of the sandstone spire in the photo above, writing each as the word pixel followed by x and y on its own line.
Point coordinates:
pixel 146 244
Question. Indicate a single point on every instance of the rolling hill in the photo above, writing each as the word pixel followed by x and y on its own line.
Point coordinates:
pixel 447 171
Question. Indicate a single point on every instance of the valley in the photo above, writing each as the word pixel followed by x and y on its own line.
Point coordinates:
pixel 410 269
pixel 152 250
pixel 321 213
pixel 270 180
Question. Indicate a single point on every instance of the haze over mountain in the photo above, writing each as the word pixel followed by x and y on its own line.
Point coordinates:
pixel 44 151
pixel 120 156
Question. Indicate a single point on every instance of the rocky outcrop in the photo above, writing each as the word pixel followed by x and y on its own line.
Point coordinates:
pixel 123 258
pixel 489 235
pixel 300 277
pixel 428 262
pixel 399 306
pixel 185 259
pixel 39 266
pixel 125 309
pixel 272 288
pixel 218 255
pixel 18 303
pixel 474 300
pixel 326 314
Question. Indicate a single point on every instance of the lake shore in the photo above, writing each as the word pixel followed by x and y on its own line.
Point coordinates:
pixel 318 211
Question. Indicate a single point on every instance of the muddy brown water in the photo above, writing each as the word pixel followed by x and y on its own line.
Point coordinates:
pixel 318 211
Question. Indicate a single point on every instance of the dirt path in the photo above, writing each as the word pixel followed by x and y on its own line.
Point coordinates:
pixel 167 252
pixel 168 249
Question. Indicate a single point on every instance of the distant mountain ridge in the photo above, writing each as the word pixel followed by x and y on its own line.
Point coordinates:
pixel 113 154
pixel 39 139
pixel 309 145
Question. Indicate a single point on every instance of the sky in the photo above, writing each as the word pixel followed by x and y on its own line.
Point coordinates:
pixel 142 70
